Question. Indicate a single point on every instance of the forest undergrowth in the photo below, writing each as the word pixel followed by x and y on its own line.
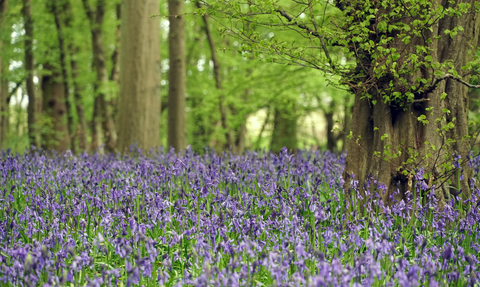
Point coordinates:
pixel 258 219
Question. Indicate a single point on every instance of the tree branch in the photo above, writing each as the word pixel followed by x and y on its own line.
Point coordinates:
pixel 17 85
pixel 309 31
pixel 445 77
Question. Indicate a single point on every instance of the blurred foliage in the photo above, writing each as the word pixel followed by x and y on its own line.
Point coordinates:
pixel 250 85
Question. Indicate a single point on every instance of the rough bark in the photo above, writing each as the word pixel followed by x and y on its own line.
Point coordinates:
pixel 402 126
pixel 63 64
pixel 99 61
pixel 55 110
pixel 33 135
pixel 284 129
pixel 218 80
pixel 3 83
pixel 139 101
pixel 177 128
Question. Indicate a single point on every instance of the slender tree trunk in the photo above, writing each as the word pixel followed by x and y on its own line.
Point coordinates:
pixel 241 139
pixel 331 138
pixel 33 135
pixel 78 89
pixel 201 131
pixel 115 72
pixel 19 114
pixel 63 63
pixel 3 83
pixel 372 154
pixel 218 80
pixel 73 48
pixel 284 128
pixel 56 111
pixel 4 106
pixel 177 129
pixel 139 101
pixel 99 61
pixel 96 126
pixel 239 132
pixel 347 122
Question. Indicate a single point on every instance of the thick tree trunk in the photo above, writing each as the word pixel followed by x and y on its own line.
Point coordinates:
pixel 139 101
pixel 177 129
pixel 33 135
pixel 284 129
pixel 380 131
pixel 3 83
pixel 55 111
pixel 99 61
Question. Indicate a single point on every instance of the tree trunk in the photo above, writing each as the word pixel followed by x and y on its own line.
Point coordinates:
pixel 99 61
pixel 3 83
pixel 331 138
pixel 63 63
pixel 284 129
pixel 96 126
pixel 33 135
pixel 177 129
pixel 347 122
pixel 381 130
pixel 218 80
pixel 4 106
pixel 203 127
pixel 241 138
pixel 55 109
pixel 115 72
pixel 73 49
pixel 139 101
pixel 78 89
pixel 116 53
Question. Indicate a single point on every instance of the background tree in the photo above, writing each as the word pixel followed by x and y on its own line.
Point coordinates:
pixel 33 134
pixel 139 103
pixel 250 88
pixel 55 110
pixel 102 109
pixel 3 82
pixel 177 129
